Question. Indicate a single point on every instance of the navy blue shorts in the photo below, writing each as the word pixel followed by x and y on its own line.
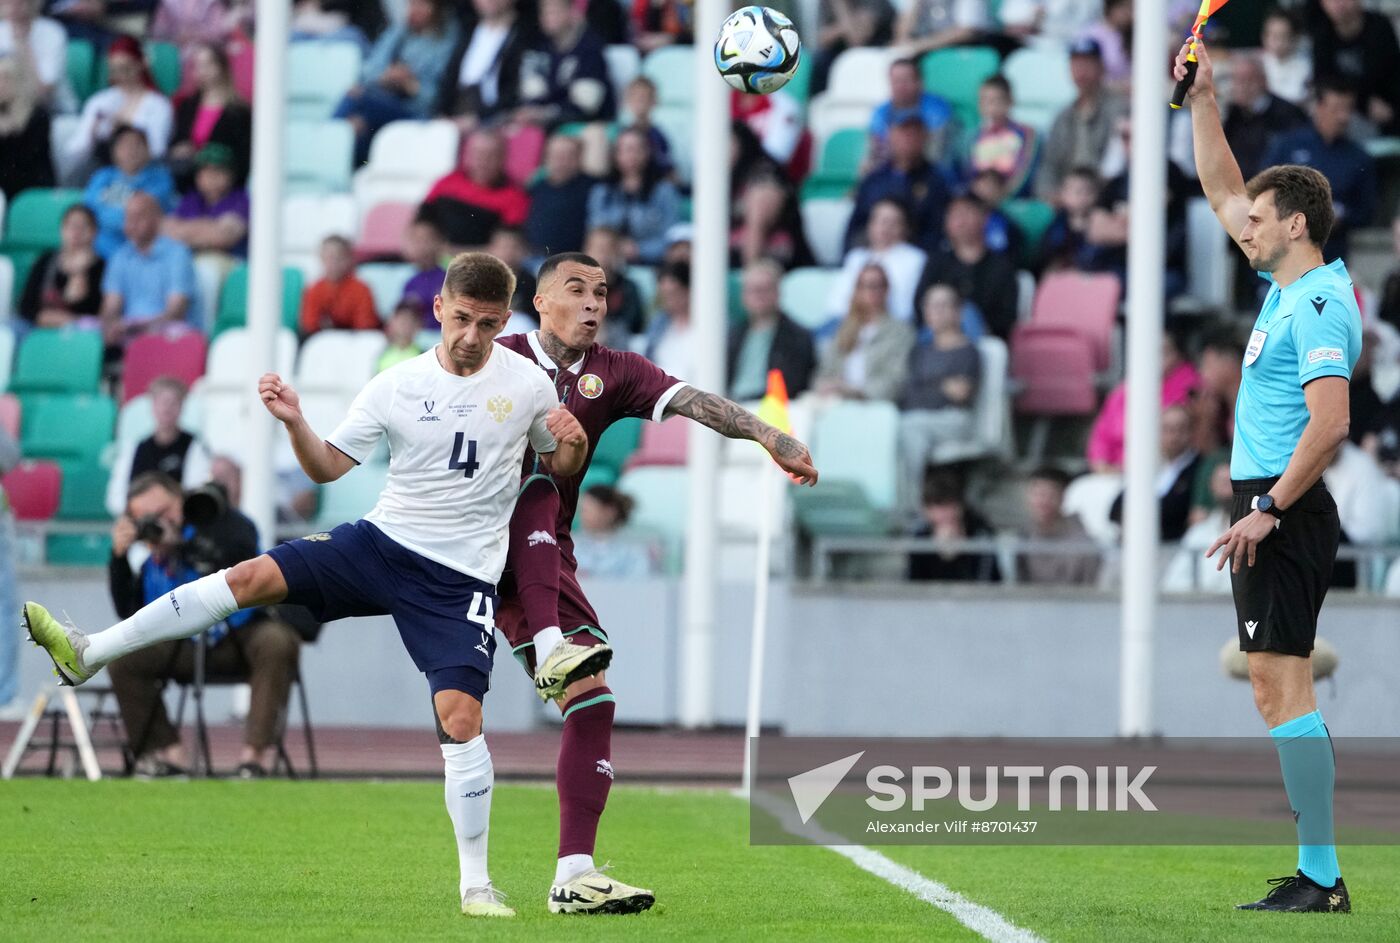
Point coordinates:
pixel 445 618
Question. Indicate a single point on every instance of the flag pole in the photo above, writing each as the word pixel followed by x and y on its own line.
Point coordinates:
pixel 759 639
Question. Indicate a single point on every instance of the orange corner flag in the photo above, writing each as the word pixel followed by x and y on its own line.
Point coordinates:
pixel 774 408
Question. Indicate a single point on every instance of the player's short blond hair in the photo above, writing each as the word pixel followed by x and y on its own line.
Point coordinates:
pixel 480 277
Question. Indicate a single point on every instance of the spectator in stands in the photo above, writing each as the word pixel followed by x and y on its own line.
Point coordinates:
pixel 657 23
pixel 765 217
pixel 423 249
pixel 1358 47
pixel 130 99
pixel 1063 246
pixel 169 450
pixel 400 79
pixel 1375 397
pixel 1045 498
pixel 40 46
pixel 131 171
pixel 1189 570
pixel 936 403
pixel 767 339
pixel 337 20
pixel 469 203
pixel 1389 310
pixel 907 176
pixel 508 244
pixel 1287 64
pixel 1176 475
pixel 848 24
pixel 149 283
pixel 1114 34
pixel 925 25
pixel 66 283
pixel 1002 234
pixel 886 243
pixel 668 337
pixel 636 200
pixel 1000 144
pixel 402 330
pixel 559 199
pixel 1060 22
pixel 82 19
pixel 638 102
pixel 1080 134
pixel 1368 503
pixel 946 515
pixel 1254 116
pixel 213 217
pixel 1348 168
pixel 984 277
pixel 908 97
pixel 869 357
pixel 212 113
pixel 627 309
pixel 601 551
pixel 776 120
pixel 338 301
pixel 564 74
pixel 482 75
pixel 193 26
pixel 250 644
pixel 1179 381
pixel 25 156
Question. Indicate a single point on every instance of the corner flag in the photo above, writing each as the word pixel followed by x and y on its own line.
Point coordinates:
pixel 774 408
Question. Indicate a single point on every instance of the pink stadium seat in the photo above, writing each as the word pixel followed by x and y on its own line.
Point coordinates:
pixel 1054 369
pixel 9 415
pixel 381 233
pixel 33 489
pixel 1083 303
pixel 524 148
pixel 662 443
pixel 156 355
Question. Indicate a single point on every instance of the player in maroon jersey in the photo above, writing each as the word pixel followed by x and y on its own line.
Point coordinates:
pixel 543 609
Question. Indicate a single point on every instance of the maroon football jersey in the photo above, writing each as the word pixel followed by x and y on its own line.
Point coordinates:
pixel 603 387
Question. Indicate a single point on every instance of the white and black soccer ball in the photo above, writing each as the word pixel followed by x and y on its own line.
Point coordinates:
pixel 757 50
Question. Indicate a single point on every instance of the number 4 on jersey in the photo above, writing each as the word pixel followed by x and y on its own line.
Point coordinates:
pixel 470 464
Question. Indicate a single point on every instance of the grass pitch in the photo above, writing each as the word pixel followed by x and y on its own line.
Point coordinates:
pixel 375 861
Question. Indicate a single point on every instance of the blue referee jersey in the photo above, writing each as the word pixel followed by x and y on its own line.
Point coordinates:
pixel 1308 330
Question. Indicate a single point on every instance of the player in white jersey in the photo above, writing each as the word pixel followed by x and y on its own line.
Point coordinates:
pixel 458 419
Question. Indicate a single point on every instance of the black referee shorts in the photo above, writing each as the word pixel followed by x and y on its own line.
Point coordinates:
pixel 1277 600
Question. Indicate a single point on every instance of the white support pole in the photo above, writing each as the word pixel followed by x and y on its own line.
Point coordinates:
pixel 709 300
pixel 264 257
pixel 1146 257
pixel 763 577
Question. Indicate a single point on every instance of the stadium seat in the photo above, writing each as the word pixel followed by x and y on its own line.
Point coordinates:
pixel 23 261
pixel 956 73
pixel 662 497
pixel 229 414
pixel 677 122
pixel 838 508
pixel 644 277
pixel 82 68
pixel 385 281
pixel 10 415
pixel 838 168
pixel 7 354
pixel 405 159
pixel 89 550
pixel 319 156
pixel 209 273
pixel 1080 302
pixel 524 148
pixel 33 489
pixel 740 487
pixel 230 356
pixel 1025 295
pixel 381 231
pixel 164 59
pixel 824 222
pixel 1209 259
pixel 67 426
pixel 338 360
pixel 33 218
pixel 856 442
pixel 156 355
pixel 1040 84
pixel 1054 369
pixel 672 69
pixel 1091 497
pixel 1032 218
pixel 351 497
pixel 318 76
pixel 307 219
pixel 616 444
pixel 58 360
pixel 662 443
pixel 84 493
pixel 860 80
pixel 4 203
pixel 7 286
pixel 991 420
pixel 233 299
pixel 624 62
pixel 805 295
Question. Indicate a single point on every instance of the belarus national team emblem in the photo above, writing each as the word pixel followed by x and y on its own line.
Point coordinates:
pixel 1256 344
pixel 590 386
pixel 499 407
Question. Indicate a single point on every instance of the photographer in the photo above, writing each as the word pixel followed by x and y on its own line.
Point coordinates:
pixel 168 538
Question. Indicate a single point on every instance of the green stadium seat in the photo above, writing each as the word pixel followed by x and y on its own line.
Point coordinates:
pixel 319 155
pixel 318 76
pixel 233 299
pixel 67 426
pixel 352 497
pixel 734 286
pixel 662 496
pixel 93 549
pixel 23 262
pixel 58 360
pixel 616 445
pixel 672 68
pixel 838 509
pixel 799 86
pixel 33 218
pixel 1032 217
pixel 838 169
pixel 165 66
pixel 84 493
pixel 805 295
pixel 82 68
pixel 856 442
pixel 956 73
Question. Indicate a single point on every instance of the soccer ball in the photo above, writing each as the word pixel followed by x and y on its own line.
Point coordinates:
pixel 757 50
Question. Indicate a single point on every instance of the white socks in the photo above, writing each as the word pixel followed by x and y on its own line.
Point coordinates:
pixel 185 611
pixel 470 778
pixel 570 867
pixel 545 640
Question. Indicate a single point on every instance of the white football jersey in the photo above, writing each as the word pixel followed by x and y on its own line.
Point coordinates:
pixel 455 449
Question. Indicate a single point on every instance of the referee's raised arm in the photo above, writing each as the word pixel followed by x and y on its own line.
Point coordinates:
pixel 1215 164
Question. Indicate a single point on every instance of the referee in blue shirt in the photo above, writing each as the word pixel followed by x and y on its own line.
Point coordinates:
pixel 1291 415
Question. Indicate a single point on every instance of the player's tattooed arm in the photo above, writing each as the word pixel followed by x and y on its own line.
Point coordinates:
pixel 730 419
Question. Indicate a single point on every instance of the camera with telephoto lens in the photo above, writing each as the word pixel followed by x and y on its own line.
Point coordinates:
pixel 202 506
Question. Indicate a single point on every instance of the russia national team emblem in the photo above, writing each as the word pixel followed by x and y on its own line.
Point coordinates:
pixel 318 537
pixel 590 386
pixel 499 407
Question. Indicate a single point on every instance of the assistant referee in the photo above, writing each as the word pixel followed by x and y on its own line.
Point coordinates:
pixel 1291 415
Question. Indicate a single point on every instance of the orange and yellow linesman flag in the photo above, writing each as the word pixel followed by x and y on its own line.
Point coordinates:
pixel 774 408
pixel 1208 8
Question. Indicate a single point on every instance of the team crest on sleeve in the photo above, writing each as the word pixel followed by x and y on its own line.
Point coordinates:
pixel 318 537
pixel 590 386
pixel 499 407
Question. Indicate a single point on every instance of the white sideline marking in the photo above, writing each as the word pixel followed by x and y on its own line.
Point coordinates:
pixel 982 920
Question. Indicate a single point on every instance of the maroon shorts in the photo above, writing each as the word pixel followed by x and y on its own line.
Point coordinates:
pixel 576 616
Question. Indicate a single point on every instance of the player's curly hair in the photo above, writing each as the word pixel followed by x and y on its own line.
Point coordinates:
pixel 481 277
pixel 1298 189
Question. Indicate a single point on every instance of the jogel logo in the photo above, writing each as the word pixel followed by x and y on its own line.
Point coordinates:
pixel 590 386
pixel 499 407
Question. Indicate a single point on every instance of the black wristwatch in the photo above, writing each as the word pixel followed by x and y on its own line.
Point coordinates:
pixel 1266 504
